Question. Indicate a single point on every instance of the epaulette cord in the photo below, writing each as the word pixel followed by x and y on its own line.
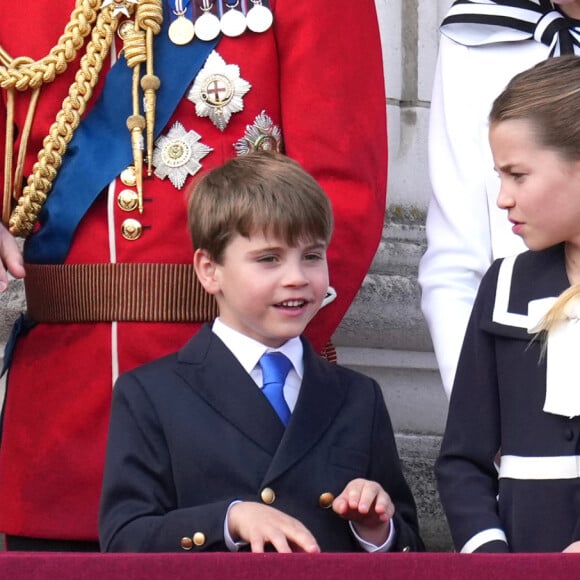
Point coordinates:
pixel 99 20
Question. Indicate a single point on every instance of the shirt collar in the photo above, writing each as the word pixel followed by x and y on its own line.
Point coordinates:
pixel 249 351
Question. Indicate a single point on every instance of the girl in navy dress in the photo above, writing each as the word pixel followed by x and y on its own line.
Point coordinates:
pixel 515 405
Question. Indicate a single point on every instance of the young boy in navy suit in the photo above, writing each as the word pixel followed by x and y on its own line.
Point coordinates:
pixel 199 456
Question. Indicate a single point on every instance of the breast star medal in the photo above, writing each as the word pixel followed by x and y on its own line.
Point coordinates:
pixel 218 91
pixel 262 135
pixel 177 154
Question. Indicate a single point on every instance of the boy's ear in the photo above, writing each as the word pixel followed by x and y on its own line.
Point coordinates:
pixel 205 268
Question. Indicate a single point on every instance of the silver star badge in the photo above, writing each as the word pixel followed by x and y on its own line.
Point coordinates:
pixel 121 6
pixel 177 154
pixel 262 135
pixel 218 91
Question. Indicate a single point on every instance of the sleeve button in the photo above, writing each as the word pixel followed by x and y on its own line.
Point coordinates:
pixel 268 496
pixel 325 500
pixel 186 543
pixel 199 539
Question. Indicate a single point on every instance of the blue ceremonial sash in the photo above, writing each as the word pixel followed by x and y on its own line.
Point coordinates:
pixel 101 146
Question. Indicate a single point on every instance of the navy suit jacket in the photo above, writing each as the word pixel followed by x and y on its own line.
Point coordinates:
pixel 191 432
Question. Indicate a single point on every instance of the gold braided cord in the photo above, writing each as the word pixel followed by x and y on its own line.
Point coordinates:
pixel 134 47
pixel 26 131
pixel 26 75
pixel 149 17
pixel 138 50
pixel 136 54
pixel 5 58
pixel 8 156
pixel 61 132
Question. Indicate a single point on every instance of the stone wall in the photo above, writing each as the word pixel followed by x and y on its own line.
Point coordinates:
pixel 384 334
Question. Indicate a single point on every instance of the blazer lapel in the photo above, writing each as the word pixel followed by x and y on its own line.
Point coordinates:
pixel 212 371
pixel 321 397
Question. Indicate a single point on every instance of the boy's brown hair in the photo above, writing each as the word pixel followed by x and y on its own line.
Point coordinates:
pixel 259 192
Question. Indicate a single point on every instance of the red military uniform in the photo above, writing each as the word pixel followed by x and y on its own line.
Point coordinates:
pixel 317 74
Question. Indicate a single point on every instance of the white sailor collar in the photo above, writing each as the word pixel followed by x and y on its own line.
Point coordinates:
pixel 562 342
pixel 482 22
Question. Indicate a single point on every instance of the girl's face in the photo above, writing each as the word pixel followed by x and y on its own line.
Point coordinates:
pixel 540 189
pixel 569 7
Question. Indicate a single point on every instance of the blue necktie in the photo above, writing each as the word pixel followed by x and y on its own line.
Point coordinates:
pixel 275 369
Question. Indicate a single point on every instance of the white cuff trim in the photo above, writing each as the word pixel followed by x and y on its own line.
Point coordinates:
pixel 230 544
pixel 540 468
pixel 368 546
pixel 484 537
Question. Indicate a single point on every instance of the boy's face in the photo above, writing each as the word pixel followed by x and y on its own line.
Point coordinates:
pixel 266 289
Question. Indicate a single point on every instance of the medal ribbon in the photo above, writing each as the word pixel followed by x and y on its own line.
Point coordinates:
pixel 101 146
pixel 475 23
pixel 179 7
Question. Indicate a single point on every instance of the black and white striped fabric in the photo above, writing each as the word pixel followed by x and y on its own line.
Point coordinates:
pixel 480 22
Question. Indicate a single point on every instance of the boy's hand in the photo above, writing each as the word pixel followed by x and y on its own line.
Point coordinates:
pixel 260 524
pixel 369 506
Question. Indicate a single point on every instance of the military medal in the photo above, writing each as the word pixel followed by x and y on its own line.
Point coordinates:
pixel 181 30
pixel 259 17
pixel 207 26
pixel 177 154
pixel 262 135
pixel 233 22
pixel 218 91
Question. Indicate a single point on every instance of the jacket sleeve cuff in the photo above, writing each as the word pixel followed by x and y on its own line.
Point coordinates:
pixel 476 543
pixel 368 546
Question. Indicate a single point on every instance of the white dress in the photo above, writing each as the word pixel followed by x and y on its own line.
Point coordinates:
pixel 466 230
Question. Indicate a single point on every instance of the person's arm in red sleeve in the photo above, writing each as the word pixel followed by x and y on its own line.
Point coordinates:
pixel 10 255
pixel 334 124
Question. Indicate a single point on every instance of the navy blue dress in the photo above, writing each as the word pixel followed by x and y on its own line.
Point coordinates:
pixel 496 408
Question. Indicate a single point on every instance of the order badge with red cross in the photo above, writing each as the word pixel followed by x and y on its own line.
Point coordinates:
pixel 218 91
